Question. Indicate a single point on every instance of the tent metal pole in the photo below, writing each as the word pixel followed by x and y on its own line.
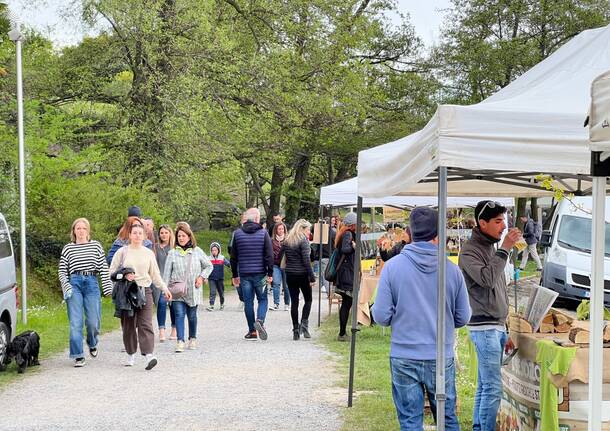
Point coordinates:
pixel 515 269
pixel 440 324
pixel 596 353
pixel 320 264
pixel 330 252
pixel 355 292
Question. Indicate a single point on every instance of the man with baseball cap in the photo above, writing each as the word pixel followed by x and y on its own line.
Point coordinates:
pixel 483 267
pixel 407 298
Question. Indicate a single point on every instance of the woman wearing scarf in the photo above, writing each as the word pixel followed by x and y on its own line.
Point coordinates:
pixel 187 263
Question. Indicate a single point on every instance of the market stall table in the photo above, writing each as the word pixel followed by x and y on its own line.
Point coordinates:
pixel 524 380
pixel 368 288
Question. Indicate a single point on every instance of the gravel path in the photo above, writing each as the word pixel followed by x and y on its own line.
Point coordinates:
pixel 227 384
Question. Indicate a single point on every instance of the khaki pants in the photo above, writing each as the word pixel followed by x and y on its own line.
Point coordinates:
pixel 139 328
pixel 531 249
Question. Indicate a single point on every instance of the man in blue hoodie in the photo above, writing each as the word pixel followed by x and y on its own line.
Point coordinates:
pixel 407 301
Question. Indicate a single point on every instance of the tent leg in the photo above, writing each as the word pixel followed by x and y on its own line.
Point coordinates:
pixel 320 264
pixel 355 292
pixel 440 324
pixel 515 269
pixel 596 354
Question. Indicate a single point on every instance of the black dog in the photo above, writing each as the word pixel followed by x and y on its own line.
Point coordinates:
pixel 24 348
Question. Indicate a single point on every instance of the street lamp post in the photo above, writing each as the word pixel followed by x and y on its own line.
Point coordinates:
pixel 16 36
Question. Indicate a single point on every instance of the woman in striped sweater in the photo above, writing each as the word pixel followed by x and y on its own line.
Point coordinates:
pixel 81 261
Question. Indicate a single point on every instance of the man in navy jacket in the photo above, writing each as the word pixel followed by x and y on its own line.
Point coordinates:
pixel 252 268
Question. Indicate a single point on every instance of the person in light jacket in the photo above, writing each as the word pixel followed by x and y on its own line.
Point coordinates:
pixel 407 301
pixel 138 326
pixel 176 267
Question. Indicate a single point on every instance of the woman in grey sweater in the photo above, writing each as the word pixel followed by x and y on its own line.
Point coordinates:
pixel 299 275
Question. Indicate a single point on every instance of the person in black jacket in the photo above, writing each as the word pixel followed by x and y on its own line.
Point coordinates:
pixel 345 242
pixel 404 239
pixel 296 252
pixel 326 253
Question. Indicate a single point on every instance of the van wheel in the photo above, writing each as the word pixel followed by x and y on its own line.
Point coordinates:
pixel 5 335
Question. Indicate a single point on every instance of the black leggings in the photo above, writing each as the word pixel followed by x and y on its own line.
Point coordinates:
pixel 298 283
pixel 346 305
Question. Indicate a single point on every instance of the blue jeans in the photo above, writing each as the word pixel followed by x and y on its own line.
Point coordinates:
pixel 85 297
pixel 279 281
pixel 254 285
pixel 490 345
pixel 410 378
pixel 162 311
pixel 181 309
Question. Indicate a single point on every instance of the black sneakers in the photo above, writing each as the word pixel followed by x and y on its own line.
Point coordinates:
pixel 79 362
pixel 93 352
pixel 251 336
pixel 262 332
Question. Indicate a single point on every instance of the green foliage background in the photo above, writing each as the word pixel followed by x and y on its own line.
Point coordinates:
pixel 194 110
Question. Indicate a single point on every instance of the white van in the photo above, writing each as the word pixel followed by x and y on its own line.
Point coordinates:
pixel 567 263
pixel 8 290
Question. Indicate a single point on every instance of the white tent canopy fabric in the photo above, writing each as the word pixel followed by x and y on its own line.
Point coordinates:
pixel 534 125
pixel 345 193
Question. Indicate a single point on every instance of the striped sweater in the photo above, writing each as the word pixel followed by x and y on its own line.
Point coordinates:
pixel 83 257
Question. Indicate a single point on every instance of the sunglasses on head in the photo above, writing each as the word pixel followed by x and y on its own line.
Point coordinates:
pixel 488 204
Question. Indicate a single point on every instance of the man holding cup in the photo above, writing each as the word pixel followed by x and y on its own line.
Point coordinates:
pixel 483 267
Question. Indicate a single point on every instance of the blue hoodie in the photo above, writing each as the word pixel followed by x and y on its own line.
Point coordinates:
pixel 406 300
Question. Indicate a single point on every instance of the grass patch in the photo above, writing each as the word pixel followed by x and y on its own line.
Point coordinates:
pixel 51 323
pixel 373 408
pixel 530 268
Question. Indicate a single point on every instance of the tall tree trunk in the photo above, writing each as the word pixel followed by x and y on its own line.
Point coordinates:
pixel 257 186
pixel 251 195
pixel 293 199
pixel 534 207
pixel 275 196
pixel 521 205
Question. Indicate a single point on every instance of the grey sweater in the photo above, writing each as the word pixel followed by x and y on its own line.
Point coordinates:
pixel 483 269
pixel 298 259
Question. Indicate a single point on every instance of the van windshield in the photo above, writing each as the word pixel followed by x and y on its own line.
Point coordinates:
pixel 575 233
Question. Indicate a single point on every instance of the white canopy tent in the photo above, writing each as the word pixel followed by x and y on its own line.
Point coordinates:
pixel 345 193
pixel 499 146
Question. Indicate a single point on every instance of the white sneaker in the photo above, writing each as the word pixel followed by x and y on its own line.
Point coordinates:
pixel 180 346
pixel 131 360
pixel 210 308
pixel 241 305
pixel 193 344
pixel 286 307
pixel 151 361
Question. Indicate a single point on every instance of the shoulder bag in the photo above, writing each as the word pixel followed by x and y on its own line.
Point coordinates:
pixel 179 288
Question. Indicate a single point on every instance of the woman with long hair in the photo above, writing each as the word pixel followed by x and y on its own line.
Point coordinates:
pixel 345 242
pixel 122 238
pixel 187 263
pixel 278 235
pixel 81 261
pixel 135 262
pixel 296 251
pixel 162 249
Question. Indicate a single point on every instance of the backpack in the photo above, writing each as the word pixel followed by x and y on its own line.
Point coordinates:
pixel 334 263
pixel 538 230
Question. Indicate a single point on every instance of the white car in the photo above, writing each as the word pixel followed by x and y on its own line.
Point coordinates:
pixel 8 291
pixel 567 266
